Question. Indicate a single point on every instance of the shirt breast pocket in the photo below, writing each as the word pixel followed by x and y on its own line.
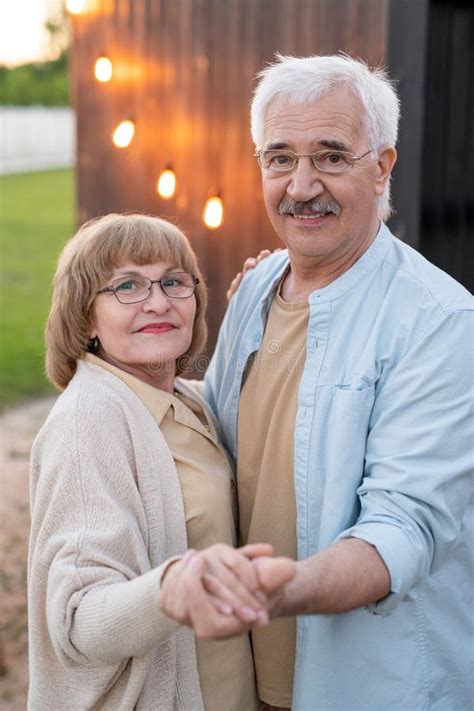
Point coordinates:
pixel 347 430
pixel 356 400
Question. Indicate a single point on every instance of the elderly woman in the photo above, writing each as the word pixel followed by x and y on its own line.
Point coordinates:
pixel 127 473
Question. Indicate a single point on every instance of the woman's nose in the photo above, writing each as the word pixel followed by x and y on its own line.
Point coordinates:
pixel 157 300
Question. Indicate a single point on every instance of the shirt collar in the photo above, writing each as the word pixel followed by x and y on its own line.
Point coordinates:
pixel 157 401
pixel 365 265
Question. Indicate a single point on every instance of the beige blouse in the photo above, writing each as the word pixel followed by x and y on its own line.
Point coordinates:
pixel 225 667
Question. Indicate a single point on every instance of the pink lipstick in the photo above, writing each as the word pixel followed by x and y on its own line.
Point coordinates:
pixel 157 328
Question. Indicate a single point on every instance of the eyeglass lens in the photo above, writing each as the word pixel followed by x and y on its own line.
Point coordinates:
pixel 130 290
pixel 326 161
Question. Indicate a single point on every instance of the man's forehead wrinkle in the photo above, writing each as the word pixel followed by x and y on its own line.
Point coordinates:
pixel 328 125
pixel 327 132
pixel 335 116
pixel 332 125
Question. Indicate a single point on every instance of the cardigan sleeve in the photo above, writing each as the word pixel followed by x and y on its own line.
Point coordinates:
pixel 89 543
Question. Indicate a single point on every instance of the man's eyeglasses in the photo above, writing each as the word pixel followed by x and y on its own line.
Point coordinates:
pixel 327 161
pixel 132 289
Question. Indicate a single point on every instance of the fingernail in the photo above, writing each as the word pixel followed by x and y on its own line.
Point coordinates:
pixel 248 613
pixel 225 609
pixel 262 617
pixel 195 562
pixel 188 556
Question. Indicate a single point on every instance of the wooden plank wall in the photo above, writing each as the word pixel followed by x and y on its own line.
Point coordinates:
pixel 184 71
pixel 407 50
pixel 447 214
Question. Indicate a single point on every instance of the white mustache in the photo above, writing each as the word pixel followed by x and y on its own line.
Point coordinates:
pixel 290 207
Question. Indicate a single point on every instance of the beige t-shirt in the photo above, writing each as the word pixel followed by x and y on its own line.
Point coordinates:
pixel 267 508
pixel 225 667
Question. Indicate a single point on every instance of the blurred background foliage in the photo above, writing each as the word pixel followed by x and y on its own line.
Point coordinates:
pixel 41 83
pixel 44 83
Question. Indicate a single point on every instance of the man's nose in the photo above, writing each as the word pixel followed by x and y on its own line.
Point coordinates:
pixel 305 181
pixel 157 301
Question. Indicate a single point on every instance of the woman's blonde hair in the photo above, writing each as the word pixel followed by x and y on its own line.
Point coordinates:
pixel 87 262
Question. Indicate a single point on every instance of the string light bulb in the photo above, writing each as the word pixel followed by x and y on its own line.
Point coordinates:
pixel 213 213
pixel 123 134
pixel 166 185
pixel 75 7
pixel 103 69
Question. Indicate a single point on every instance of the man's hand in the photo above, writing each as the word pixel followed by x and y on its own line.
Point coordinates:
pixel 271 576
pixel 250 263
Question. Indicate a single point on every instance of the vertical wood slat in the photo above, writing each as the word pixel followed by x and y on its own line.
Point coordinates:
pixel 406 53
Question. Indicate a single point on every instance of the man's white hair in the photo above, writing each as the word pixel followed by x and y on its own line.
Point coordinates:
pixel 303 80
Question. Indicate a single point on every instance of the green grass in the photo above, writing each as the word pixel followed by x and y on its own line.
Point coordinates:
pixel 36 218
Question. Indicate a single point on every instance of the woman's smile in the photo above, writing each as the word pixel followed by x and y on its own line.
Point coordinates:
pixel 157 328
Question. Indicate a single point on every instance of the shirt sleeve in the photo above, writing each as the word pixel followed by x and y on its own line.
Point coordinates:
pixel 216 372
pixel 89 542
pixel 419 456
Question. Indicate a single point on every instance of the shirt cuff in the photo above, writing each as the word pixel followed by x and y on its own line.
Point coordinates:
pixel 397 552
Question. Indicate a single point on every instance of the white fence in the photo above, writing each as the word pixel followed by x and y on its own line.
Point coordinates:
pixel 36 138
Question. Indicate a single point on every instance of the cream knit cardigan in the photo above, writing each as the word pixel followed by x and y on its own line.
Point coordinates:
pixel 107 511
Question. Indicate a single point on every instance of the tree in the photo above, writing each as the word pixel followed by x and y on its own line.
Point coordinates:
pixel 59 33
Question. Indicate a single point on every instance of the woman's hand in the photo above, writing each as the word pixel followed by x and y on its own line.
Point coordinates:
pixel 272 573
pixel 185 599
pixel 238 588
pixel 250 263
pixel 218 592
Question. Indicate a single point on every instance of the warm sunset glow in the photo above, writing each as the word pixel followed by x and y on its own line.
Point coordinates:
pixel 166 185
pixel 213 214
pixel 103 69
pixel 75 7
pixel 123 134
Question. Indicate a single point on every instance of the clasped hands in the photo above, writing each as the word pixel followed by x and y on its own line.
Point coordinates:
pixel 222 592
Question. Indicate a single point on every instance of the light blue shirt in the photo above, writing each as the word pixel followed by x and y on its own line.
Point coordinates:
pixel 383 452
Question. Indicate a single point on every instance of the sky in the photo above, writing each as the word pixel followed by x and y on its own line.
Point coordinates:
pixel 22 37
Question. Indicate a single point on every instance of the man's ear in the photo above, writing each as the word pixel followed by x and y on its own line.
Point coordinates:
pixel 385 163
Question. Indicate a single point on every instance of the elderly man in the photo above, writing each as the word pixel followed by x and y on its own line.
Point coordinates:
pixel 342 379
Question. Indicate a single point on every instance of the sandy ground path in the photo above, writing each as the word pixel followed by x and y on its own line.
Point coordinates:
pixel 18 428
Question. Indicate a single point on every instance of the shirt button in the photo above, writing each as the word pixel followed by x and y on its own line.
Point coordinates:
pixel 257 337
